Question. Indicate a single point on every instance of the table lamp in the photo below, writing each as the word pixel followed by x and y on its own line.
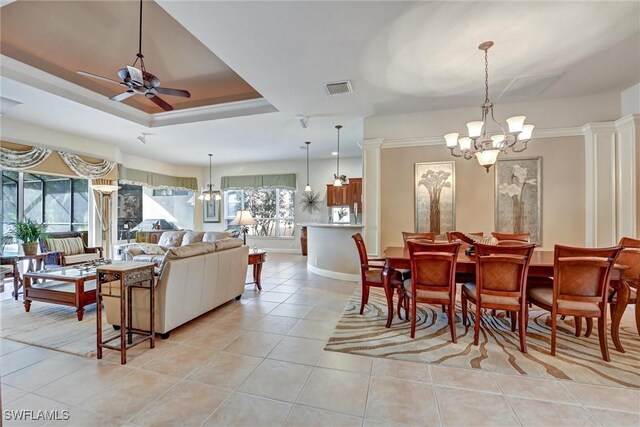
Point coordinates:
pixel 105 189
pixel 244 219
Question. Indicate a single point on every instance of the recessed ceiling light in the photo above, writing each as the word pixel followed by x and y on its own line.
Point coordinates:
pixel 334 153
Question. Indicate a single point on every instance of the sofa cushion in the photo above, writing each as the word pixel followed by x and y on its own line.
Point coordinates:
pixel 79 258
pixel 191 250
pixel 212 236
pixel 151 249
pixel 68 245
pixel 227 243
pixel 171 239
pixel 192 237
pixel 158 260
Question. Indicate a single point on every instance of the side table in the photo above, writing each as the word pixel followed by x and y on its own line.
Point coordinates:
pixel 256 258
pixel 123 277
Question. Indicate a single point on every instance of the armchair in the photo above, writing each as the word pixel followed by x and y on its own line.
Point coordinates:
pixel 70 247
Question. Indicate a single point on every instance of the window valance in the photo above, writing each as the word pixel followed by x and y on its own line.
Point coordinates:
pixel 286 181
pixel 155 180
pixel 19 160
pixel 86 169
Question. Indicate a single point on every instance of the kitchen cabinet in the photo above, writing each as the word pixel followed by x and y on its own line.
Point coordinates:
pixel 346 195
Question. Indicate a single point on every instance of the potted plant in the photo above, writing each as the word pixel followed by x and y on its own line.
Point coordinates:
pixel 28 232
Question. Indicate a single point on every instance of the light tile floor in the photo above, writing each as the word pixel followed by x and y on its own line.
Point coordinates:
pixel 261 362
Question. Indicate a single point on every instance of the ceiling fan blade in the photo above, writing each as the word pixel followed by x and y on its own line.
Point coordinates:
pixel 135 75
pixel 95 76
pixel 173 92
pixel 161 103
pixel 122 96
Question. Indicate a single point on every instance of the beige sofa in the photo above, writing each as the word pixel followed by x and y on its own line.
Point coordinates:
pixel 193 280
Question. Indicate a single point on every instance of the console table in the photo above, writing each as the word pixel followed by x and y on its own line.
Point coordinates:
pixel 117 281
pixel 256 258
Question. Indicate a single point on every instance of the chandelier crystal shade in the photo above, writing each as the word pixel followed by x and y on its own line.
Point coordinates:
pixel 479 142
pixel 307 188
pixel 207 192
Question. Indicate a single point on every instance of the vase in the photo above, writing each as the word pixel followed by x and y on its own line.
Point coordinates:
pixel 30 248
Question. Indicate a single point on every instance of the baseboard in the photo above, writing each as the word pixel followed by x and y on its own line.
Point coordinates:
pixel 333 274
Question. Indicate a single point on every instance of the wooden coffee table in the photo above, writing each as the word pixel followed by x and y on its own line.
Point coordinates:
pixel 70 286
pixel 256 258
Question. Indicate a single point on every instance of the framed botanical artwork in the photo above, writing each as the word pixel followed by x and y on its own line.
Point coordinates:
pixel 518 197
pixel 435 197
pixel 211 208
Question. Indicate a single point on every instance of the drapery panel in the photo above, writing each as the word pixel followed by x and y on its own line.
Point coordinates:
pixel 86 169
pixel 285 181
pixel 155 180
pixel 19 160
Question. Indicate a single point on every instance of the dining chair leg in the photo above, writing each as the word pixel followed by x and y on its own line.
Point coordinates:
pixel 452 321
pixel 406 307
pixel 589 327
pixel 400 300
pixel 365 297
pixel 476 327
pixel 602 334
pixel 578 321
pixel 463 303
pixel 522 332
pixel 414 316
pixel 637 310
pixel 444 308
pixel 514 317
pixel 526 317
pixel 553 332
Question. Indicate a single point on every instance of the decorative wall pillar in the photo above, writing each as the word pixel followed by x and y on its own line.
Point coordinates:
pixel 371 194
pixel 627 175
pixel 612 166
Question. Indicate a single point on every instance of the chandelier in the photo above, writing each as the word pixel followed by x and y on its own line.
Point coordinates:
pixel 339 179
pixel 479 142
pixel 207 192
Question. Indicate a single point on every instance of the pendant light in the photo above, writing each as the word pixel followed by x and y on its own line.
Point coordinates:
pixel 338 181
pixel 307 189
pixel 207 193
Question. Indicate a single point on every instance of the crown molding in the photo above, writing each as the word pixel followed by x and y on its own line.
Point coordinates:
pixel 596 127
pixel 34 77
pixel 438 140
pixel 630 120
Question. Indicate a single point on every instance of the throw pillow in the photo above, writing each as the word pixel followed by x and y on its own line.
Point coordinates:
pixel 151 249
pixel 490 240
pixel 68 246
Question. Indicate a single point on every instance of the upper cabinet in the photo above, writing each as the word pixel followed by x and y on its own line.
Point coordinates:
pixel 346 195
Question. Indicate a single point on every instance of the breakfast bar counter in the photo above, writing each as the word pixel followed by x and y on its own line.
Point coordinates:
pixel 331 251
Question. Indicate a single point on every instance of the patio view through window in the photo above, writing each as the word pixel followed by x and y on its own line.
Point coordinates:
pixel 273 209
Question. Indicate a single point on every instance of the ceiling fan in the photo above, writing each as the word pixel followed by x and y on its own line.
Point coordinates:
pixel 139 81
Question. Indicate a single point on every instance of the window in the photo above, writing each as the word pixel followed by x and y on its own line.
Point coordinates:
pixel 273 209
pixel 59 202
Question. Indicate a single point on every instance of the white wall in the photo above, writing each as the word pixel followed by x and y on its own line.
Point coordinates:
pixel 630 100
pixel 321 174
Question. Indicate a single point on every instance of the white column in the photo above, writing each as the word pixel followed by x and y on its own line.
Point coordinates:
pixel 600 183
pixel 371 194
pixel 627 170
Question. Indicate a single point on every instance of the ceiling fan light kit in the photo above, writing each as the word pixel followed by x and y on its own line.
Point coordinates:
pixel 139 81
pixel 479 144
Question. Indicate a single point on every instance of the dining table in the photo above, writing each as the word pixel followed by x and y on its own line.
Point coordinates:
pixel 541 267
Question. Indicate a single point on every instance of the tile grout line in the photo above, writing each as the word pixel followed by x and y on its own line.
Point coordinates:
pixel 506 398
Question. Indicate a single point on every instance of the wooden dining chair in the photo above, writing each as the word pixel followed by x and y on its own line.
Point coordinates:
pixel 630 257
pixel 371 275
pixel 523 237
pixel 433 279
pixel 580 288
pixel 428 236
pixel 501 284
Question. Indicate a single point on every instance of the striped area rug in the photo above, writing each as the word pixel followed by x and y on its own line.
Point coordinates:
pixel 51 326
pixel 577 359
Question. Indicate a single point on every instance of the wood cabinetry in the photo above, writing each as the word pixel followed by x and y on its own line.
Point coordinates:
pixel 346 195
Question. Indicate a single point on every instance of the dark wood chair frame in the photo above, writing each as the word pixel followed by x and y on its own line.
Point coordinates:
pixel 426 253
pixel 428 236
pixel 378 264
pixel 630 257
pixel 567 256
pixel 507 255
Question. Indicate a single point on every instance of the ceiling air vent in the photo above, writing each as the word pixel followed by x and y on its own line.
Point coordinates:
pixel 337 88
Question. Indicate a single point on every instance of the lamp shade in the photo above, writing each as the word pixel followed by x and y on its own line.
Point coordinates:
pixel 337 183
pixel 307 189
pixel 515 123
pixel 475 129
pixel 452 139
pixel 487 158
pixel 243 218
pixel 527 130
pixel 498 141
pixel 465 143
